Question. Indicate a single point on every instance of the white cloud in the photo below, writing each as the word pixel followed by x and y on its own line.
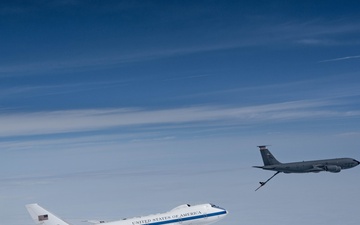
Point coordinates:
pixel 317 42
pixel 341 59
pixel 35 123
pixel 105 61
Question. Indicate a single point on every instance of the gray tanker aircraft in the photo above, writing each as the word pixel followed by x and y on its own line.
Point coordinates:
pixel 329 165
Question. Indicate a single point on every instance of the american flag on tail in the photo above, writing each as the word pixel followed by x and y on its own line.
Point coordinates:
pixel 43 217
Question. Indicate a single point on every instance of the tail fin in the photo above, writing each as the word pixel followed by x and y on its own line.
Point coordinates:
pixel 43 217
pixel 267 157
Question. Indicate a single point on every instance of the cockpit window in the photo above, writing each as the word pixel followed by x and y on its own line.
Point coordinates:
pixel 215 206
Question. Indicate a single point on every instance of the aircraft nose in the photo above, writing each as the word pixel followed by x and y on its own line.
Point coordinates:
pixel 225 212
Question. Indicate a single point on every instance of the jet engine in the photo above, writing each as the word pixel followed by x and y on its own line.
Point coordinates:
pixel 333 168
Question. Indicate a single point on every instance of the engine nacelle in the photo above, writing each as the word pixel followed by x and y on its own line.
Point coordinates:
pixel 333 168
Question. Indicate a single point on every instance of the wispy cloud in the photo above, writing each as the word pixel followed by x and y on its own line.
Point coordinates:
pixel 316 32
pixel 340 59
pixel 58 65
pixel 14 8
pixel 318 42
pixel 36 123
pixel 42 90
pixel 349 134
pixel 309 33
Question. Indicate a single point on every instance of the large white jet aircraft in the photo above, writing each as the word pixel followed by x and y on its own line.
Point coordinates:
pixel 182 215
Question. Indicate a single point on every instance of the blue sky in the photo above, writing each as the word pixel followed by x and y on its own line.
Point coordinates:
pixel 112 109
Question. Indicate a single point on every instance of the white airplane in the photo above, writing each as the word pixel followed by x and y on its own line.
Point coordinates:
pixel 182 215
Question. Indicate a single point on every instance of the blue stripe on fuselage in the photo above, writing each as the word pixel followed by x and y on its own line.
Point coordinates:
pixel 188 218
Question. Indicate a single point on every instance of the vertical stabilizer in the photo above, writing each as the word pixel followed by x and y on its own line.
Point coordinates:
pixel 43 217
pixel 267 157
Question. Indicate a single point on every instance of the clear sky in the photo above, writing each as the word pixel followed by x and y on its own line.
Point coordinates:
pixel 113 109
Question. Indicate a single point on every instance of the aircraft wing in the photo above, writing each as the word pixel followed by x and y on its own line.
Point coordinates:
pixel 317 168
pixel 94 221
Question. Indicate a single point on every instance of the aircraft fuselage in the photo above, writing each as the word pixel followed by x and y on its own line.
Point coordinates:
pixel 181 215
pixel 186 214
pixel 330 165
